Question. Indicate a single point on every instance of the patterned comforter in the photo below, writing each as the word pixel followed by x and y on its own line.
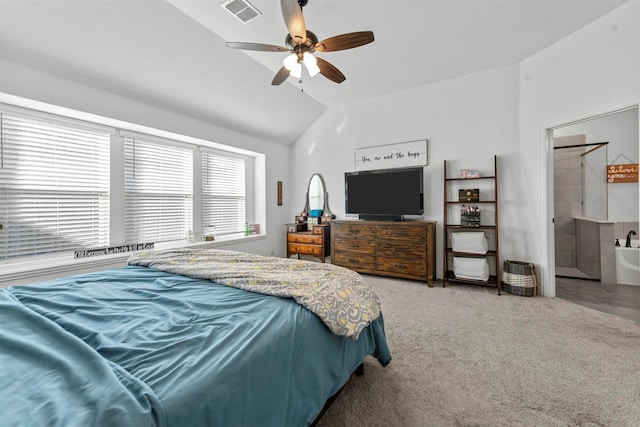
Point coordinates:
pixel 339 297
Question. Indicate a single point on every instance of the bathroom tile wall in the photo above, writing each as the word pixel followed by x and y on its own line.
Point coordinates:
pixel 607 253
pixel 588 240
pixel 567 199
pixel 565 241
pixel 595 252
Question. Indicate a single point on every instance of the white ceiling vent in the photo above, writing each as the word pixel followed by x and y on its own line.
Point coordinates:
pixel 241 9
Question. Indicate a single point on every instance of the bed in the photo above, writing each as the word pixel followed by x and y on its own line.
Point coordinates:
pixel 185 338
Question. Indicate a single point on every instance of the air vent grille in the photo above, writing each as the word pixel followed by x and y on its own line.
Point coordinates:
pixel 241 9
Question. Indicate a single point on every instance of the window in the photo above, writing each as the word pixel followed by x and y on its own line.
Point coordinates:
pixel 68 184
pixel 158 190
pixel 224 192
pixel 54 185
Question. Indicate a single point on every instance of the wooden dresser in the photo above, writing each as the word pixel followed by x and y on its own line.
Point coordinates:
pixel 404 249
pixel 314 242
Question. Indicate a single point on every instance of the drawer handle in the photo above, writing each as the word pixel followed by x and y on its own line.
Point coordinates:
pixel 355 261
pixel 400 266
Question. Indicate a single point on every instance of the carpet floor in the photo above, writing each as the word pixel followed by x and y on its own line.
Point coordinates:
pixel 464 356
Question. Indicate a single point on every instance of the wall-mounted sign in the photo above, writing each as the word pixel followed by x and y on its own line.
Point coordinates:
pixel 622 173
pixel 404 154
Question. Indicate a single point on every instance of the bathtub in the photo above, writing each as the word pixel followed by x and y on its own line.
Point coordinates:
pixel 628 264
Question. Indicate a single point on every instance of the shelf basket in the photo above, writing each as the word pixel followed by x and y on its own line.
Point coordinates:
pixel 519 278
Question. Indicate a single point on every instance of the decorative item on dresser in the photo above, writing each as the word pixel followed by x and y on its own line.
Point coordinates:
pixel 470 246
pixel 404 249
pixel 309 235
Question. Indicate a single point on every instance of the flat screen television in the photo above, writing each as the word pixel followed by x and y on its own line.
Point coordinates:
pixel 386 194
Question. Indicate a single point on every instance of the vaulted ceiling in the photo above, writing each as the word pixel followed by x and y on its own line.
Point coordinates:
pixel 172 53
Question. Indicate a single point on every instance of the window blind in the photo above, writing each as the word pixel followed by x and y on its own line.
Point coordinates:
pixel 158 191
pixel 54 186
pixel 223 192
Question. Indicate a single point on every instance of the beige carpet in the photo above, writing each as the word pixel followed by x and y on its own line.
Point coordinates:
pixel 464 356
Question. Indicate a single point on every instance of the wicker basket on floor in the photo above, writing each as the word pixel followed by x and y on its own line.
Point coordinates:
pixel 519 278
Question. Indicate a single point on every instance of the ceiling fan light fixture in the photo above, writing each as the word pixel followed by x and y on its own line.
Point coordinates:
pixel 292 64
pixel 311 64
pixel 300 42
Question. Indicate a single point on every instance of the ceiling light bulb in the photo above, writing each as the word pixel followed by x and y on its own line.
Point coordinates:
pixel 292 64
pixel 311 63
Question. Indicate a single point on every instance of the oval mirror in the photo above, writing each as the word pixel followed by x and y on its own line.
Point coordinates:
pixel 315 195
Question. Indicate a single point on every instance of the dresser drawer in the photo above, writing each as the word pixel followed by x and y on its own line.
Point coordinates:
pixel 355 246
pixel 355 261
pixel 296 248
pixel 354 231
pixel 409 267
pixel 402 250
pixel 402 232
pixel 315 239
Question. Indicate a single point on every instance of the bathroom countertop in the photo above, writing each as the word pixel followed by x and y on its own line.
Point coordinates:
pixel 599 221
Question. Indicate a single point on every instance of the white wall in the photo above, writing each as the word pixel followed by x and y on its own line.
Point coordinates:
pixel 469 119
pixel 44 85
pixel 503 111
pixel 595 70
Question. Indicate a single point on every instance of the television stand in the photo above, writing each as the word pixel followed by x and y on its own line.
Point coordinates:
pixel 403 249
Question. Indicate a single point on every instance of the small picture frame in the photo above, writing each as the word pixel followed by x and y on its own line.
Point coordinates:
pixel 279 193
pixel 254 229
pixel 469 195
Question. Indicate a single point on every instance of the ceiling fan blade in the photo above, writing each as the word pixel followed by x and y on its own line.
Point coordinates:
pixel 344 41
pixel 292 13
pixel 280 76
pixel 329 71
pixel 257 46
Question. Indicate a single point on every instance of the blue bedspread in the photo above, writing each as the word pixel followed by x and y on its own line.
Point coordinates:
pixel 135 346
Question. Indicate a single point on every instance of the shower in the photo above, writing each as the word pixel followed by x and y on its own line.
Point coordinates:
pixel 580 192
pixel 588 210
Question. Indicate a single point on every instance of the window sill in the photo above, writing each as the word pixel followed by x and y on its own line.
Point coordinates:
pixel 41 269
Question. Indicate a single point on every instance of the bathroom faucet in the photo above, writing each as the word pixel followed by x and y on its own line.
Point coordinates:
pixel 628 244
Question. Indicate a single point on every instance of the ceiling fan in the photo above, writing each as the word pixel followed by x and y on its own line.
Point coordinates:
pixel 302 43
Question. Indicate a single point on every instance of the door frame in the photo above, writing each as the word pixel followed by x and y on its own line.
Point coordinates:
pixel 547 205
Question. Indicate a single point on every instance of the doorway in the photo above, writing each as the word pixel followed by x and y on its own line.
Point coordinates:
pixel 613 137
